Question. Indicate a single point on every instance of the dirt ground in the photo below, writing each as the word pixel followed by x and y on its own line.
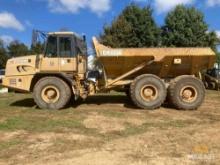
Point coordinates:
pixel 108 130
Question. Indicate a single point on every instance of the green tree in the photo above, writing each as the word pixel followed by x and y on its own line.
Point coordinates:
pixel 134 27
pixel 37 48
pixel 17 49
pixel 3 55
pixel 186 27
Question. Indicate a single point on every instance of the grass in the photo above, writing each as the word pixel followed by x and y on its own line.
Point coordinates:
pixel 10 148
pixel 132 130
pixel 117 114
pixel 18 112
pixel 61 145
pixel 39 124
pixel 9 144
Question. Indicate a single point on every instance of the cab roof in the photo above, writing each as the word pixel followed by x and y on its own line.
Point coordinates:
pixel 61 33
pixel 66 33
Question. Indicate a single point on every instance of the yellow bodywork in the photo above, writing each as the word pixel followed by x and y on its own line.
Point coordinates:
pixel 120 66
pixel 163 62
pixel 20 72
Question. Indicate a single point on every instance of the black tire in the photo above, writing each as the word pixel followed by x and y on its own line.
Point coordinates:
pixel 159 92
pixel 216 86
pixel 186 84
pixel 61 87
pixel 128 94
pixel 206 85
pixel 212 85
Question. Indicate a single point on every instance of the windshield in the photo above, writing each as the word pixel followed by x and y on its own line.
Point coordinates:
pixel 51 48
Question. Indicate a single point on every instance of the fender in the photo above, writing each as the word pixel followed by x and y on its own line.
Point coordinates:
pixel 67 78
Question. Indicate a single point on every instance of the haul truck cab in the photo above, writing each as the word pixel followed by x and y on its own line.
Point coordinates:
pixel 64 53
pixel 54 75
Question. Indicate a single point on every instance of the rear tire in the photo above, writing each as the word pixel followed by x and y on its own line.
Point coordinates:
pixel 148 92
pixel 186 93
pixel 51 93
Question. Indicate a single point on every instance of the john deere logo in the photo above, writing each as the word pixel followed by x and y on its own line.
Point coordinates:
pixel 117 52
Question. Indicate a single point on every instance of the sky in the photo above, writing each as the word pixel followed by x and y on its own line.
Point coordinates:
pixel 19 17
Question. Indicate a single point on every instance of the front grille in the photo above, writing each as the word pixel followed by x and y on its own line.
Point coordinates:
pixel 12 81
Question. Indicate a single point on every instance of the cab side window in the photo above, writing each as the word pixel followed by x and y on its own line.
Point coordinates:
pixel 51 50
pixel 65 47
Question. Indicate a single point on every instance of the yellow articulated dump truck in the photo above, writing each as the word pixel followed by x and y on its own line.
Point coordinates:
pixel 147 75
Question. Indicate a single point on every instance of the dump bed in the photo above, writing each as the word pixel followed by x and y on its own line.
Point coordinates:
pixel 163 62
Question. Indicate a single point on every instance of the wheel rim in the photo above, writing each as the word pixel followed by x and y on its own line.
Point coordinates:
pixel 149 93
pixel 50 94
pixel 188 94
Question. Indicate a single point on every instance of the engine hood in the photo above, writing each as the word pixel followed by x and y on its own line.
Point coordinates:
pixel 21 65
pixel 21 60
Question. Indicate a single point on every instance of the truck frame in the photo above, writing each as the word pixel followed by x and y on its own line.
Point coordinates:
pixel 147 75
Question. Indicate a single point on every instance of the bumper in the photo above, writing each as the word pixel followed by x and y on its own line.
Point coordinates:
pixel 20 83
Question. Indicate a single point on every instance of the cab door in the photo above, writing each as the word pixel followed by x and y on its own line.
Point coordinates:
pixel 50 62
pixel 67 54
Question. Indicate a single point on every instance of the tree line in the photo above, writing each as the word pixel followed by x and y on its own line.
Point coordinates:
pixel 136 27
pixel 16 49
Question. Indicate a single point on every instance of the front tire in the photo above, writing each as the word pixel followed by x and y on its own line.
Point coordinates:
pixel 148 92
pixel 51 93
pixel 186 93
